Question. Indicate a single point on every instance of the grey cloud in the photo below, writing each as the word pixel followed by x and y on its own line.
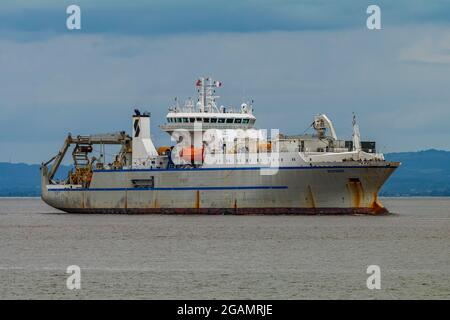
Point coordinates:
pixel 90 83
pixel 163 17
pixel 434 49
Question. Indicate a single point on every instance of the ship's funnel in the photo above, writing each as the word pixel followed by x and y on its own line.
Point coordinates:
pixel 143 148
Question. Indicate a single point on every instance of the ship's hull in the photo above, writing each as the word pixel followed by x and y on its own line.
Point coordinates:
pixel 345 189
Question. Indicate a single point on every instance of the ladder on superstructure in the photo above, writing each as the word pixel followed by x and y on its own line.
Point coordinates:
pixel 80 152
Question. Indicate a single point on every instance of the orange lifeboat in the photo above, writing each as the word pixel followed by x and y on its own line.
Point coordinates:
pixel 192 154
pixel 265 147
pixel 163 150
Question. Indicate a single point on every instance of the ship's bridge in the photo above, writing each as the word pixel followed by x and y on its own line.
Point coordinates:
pixel 190 121
pixel 205 114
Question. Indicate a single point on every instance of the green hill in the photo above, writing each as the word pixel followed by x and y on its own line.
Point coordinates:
pixel 423 173
pixel 23 180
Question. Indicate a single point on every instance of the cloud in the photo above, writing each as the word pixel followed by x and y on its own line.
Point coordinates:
pixel 164 17
pixel 90 84
pixel 294 58
pixel 432 49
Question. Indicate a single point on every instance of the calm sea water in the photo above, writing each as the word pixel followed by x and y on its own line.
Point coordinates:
pixel 230 257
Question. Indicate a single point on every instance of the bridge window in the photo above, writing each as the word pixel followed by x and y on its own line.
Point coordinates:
pixel 237 120
pixel 230 120
pixel 191 119
pixel 221 120
pixel 178 119
pixel 244 120
pixel 206 120
pixel 185 120
pixel 199 120
pixel 213 120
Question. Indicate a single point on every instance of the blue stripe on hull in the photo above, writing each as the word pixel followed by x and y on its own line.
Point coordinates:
pixel 249 168
pixel 172 188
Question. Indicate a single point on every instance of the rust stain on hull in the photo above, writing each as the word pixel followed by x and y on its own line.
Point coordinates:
pixel 197 199
pixel 235 208
pixel 376 206
pixel 356 192
pixel 310 198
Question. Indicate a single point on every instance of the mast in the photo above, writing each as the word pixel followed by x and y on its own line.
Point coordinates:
pixel 206 88
pixel 356 135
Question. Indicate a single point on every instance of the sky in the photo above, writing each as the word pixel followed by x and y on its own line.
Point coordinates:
pixel 295 59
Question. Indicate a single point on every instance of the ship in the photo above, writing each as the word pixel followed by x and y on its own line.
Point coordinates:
pixel 219 163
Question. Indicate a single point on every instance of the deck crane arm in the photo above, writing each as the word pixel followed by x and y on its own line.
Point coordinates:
pixel 59 157
pixel 321 122
pixel 117 138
